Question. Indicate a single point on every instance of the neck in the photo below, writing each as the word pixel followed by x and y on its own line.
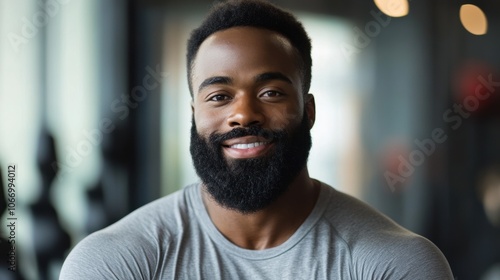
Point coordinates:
pixel 271 226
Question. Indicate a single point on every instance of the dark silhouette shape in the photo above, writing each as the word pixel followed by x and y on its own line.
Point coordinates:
pixel 50 239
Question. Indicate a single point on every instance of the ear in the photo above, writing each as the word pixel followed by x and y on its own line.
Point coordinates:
pixel 310 107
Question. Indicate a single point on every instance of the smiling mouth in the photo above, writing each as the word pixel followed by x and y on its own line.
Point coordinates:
pixel 247 146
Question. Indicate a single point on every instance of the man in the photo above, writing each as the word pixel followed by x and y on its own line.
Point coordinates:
pixel 256 213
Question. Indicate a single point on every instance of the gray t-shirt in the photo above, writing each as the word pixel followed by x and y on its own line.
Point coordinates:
pixel 174 238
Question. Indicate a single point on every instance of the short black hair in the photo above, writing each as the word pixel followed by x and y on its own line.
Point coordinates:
pixel 253 13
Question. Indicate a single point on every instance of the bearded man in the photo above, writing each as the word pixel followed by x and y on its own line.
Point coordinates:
pixel 256 214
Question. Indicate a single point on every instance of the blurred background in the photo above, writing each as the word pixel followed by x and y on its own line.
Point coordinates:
pixel 95 118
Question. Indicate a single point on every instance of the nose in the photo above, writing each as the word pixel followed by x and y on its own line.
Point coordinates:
pixel 245 112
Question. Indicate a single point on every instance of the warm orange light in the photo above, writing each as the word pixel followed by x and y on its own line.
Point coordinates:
pixel 393 8
pixel 473 19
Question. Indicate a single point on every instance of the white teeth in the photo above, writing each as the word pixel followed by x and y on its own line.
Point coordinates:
pixel 247 146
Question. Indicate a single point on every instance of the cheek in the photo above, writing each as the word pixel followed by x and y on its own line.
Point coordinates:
pixel 285 118
pixel 207 121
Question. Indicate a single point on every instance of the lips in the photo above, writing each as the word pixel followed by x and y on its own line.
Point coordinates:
pixel 245 142
pixel 246 147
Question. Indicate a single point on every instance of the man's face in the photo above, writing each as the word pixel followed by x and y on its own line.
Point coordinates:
pixel 250 134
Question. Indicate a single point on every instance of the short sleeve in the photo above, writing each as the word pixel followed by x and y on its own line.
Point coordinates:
pixel 105 255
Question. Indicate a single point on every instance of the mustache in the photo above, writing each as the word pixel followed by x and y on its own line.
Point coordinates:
pixel 268 134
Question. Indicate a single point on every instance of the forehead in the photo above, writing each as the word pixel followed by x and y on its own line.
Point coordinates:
pixel 245 50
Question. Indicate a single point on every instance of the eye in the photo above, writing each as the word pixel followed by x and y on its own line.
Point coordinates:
pixel 272 93
pixel 218 97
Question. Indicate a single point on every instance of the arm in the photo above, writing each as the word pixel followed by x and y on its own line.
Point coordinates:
pixel 405 257
pixel 105 255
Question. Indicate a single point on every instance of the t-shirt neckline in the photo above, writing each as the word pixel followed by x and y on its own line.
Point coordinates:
pixel 220 240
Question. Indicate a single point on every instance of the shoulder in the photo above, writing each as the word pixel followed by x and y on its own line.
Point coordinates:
pixel 379 247
pixel 133 246
pixel 106 255
pixel 400 255
pixel 355 220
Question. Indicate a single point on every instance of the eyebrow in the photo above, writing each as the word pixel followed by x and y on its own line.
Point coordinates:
pixel 214 81
pixel 268 76
pixel 264 77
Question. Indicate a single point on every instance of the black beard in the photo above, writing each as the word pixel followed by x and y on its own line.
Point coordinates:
pixel 250 185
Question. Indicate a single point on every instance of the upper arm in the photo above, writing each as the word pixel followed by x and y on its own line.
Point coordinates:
pixel 106 256
pixel 412 257
pixel 423 260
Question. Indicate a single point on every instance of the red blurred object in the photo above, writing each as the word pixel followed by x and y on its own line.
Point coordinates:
pixel 472 83
pixel 392 157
